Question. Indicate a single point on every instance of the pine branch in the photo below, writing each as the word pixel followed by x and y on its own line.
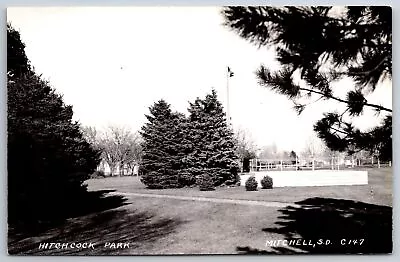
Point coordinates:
pixel 338 130
pixel 345 101
pixel 364 72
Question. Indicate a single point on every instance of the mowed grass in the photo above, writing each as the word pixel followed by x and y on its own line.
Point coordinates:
pixel 157 226
pixel 160 227
pixel 378 191
pixel 207 228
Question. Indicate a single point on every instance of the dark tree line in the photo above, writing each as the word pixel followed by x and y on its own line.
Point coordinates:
pixel 48 158
pixel 182 151
pixel 322 45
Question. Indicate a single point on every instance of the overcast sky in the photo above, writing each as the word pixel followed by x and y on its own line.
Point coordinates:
pixel 111 64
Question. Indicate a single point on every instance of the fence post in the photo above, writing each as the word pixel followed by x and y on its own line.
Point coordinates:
pixel 281 165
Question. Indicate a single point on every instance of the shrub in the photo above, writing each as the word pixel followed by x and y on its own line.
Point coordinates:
pixel 206 183
pixel 186 178
pixel 251 184
pixel 98 174
pixel 267 182
pixel 238 179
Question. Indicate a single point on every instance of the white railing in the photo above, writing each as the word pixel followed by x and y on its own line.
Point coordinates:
pixel 332 163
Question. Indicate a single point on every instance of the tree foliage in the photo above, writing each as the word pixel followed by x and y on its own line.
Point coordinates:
pixel 120 148
pixel 245 149
pixel 213 149
pixel 293 156
pixel 161 147
pixel 322 45
pixel 17 61
pixel 177 150
pixel 48 158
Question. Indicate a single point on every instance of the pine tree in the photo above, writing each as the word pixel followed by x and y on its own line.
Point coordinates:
pixel 213 149
pixel 48 157
pixel 322 45
pixel 161 147
pixel 17 62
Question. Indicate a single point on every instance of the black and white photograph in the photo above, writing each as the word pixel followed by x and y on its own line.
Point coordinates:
pixel 199 130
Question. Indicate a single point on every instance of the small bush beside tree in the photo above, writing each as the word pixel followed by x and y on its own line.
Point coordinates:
pixel 98 174
pixel 206 183
pixel 238 179
pixel 267 182
pixel 251 184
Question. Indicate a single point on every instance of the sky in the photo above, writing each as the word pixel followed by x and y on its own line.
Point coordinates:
pixel 112 63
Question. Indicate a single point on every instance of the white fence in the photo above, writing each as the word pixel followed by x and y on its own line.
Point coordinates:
pixel 332 163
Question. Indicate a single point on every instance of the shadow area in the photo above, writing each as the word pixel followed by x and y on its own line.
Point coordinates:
pixel 140 230
pixel 330 226
pixel 32 220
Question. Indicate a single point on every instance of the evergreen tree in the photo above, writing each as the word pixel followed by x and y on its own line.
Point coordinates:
pixel 161 147
pixel 192 146
pixel 17 61
pixel 48 158
pixel 323 45
pixel 213 150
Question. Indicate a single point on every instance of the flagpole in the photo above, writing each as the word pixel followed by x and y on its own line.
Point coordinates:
pixel 228 115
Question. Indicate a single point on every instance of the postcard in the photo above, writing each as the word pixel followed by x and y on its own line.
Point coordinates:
pixel 199 130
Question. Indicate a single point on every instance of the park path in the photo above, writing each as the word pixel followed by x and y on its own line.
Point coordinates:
pixel 214 200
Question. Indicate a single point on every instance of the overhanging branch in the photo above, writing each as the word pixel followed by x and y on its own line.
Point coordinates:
pixel 345 101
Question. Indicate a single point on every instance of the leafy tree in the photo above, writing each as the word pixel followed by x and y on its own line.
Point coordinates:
pixel 121 148
pixel 313 147
pixel 245 149
pixel 160 163
pixel 321 45
pixel 118 145
pixel 269 152
pixel 91 135
pixel 213 149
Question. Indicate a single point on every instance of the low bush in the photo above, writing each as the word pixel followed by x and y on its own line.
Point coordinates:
pixel 251 184
pixel 98 174
pixel 187 178
pixel 267 182
pixel 206 183
pixel 238 179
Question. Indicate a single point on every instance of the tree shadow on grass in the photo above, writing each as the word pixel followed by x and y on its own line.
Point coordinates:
pixel 337 220
pixel 139 229
pixel 59 210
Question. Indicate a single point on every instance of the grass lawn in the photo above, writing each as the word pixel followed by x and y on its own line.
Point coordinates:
pixel 172 226
pixel 378 191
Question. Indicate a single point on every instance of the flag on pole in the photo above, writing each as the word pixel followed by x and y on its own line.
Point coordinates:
pixel 230 73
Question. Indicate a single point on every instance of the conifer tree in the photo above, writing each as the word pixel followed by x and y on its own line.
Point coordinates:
pixel 321 45
pixel 48 158
pixel 213 149
pixel 161 147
